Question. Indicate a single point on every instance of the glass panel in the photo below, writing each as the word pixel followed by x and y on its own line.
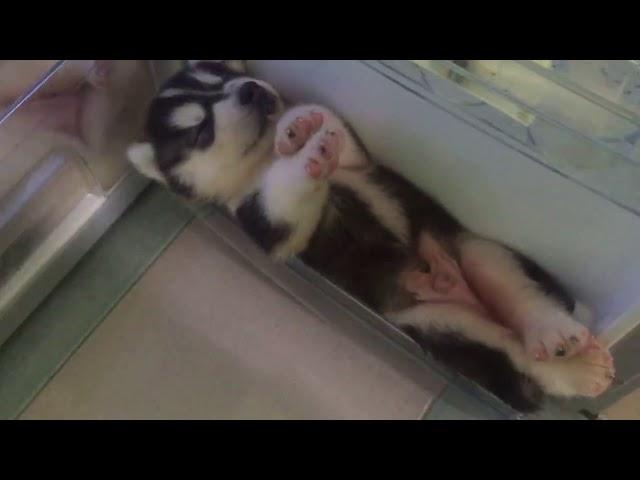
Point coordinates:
pixel 39 215
pixel 64 128
pixel 591 137
pixel 113 115
pixel 614 83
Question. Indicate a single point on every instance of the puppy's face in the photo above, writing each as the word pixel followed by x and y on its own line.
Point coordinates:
pixel 207 126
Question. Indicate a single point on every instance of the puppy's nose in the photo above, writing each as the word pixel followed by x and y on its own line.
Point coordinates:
pixel 250 93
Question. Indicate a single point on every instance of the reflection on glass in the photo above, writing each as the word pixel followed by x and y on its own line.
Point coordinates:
pixel 581 118
pixel 64 129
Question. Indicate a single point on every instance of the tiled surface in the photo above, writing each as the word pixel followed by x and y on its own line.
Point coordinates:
pixel 51 334
pixel 202 335
pixel 627 408
pixel 453 404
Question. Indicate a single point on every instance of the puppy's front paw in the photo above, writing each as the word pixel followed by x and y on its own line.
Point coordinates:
pixel 294 135
pixel 323 154
pixel 555 334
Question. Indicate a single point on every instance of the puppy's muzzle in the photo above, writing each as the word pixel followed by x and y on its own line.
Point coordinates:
pixel 252 94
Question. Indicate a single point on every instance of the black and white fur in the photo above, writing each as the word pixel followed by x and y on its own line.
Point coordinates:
pixel 210 131
pixel 360 228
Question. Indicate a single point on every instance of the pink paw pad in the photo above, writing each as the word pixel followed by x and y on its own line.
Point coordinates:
pixel 323 159
pixel 296 135
pixel 541 353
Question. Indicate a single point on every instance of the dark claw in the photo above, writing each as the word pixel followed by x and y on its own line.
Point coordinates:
pixel 560 352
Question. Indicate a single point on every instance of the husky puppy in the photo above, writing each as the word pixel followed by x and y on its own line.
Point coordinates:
pixel 481 307
pixel 487 311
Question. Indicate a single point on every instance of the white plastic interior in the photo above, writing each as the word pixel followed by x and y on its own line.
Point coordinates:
pixel 589 243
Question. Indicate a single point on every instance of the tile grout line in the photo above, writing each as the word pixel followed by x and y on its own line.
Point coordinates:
pixel 430 405
pixel 88 334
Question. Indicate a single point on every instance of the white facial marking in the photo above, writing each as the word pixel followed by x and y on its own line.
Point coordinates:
pixel 171 92
pixel 205 77
pixel 188 115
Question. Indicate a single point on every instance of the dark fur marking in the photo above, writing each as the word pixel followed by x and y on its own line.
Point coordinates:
pixel 162 132
pixel 489 368
pixel 351 248
pixel 255 223
pixel 173 144
pixel 549 285
pixel 423 211
pixel 262 129
pixel 179 187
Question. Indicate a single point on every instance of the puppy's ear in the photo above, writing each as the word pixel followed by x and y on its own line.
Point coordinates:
pixel 142 157
pixel 239 66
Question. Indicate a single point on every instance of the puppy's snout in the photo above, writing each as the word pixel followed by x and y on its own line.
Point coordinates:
pixel 250 93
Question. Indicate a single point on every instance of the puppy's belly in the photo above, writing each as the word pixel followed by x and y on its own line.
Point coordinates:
pixel 442 280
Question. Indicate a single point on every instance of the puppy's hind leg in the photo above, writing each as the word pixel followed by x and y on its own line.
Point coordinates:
pixel 525 297
pixel 493 356
pixel 474 346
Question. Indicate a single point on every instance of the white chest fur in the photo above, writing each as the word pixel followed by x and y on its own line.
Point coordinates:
pixel 290 196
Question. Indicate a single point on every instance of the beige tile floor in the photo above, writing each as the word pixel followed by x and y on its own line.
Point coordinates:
pixel 627 408
pixel 203 335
